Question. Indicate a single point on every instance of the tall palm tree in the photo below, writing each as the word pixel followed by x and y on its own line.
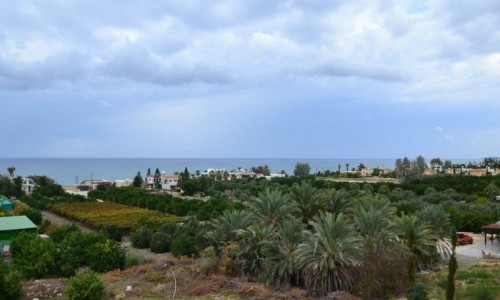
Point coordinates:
pixel 271 207
pixel 417 238
pixel 373 219
pixel 11 171
pixel 329 254
pixel 308 200
pixel 440 226
pixel 279 262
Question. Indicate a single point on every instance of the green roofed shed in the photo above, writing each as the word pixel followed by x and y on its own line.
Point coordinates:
pixel 10 227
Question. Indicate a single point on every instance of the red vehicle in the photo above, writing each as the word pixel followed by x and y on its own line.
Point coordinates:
pixel 463 238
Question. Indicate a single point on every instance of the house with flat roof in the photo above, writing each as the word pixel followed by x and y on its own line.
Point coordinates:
pixel 11 227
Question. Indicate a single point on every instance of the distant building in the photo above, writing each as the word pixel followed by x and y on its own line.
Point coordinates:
pixel 478 172
pixel 123 182
pixel 28 185
pixel 88 185
pixel 167 182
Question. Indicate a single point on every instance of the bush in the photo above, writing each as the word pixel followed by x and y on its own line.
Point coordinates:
pixel 33 214
pixel 160 242
pixel 106 256
pixel 141 237
pixel 183 244
pixel 10 283
pixel 87 286
pixel 418 291
pixel 112 232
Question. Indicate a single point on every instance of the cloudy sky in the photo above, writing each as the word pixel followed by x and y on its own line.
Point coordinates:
pixel 251 79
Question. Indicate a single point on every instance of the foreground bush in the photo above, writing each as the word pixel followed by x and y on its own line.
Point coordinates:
pixel 87 286
pixel 10 283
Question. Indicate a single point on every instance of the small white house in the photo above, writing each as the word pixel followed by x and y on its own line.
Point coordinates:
pixel 28 185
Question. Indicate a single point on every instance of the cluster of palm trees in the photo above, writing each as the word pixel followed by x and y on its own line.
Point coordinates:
pixel 324 239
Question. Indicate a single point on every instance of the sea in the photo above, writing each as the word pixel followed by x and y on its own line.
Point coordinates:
pixel 72 171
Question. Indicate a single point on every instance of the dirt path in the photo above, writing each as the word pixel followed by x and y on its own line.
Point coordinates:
pixel 60 220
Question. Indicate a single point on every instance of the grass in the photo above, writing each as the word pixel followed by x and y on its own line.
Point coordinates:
pixel 481 281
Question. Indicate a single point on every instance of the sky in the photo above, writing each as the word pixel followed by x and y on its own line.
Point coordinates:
pixel 250 79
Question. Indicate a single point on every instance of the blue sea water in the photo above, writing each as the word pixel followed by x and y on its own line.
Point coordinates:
pixel 69 171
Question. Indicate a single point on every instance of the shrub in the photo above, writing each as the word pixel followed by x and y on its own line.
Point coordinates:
pixel 418 291
pixel 112 232
pixel 141 237
pixel 106 256
pixel 33 214
pixel 87 286
pixel 10 283
pixel 60 233
pixel 160 242
pixel 183 244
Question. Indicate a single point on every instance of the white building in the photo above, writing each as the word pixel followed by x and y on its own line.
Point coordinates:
pixel 168 182
pixel 28 185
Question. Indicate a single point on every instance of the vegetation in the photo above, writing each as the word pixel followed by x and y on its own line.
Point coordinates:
pixel 62 255
pixel 10 282
pixel 100 214
pixel 165 203
pixel 86 286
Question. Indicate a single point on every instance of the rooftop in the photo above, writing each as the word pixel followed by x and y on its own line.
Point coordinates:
pixel 16 223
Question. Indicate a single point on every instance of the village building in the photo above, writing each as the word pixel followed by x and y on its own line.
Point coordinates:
pixel 28 185
pixel 167 182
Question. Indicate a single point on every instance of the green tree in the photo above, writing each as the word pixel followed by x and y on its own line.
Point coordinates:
pixel 308 199
pixel 157 179
pixel 10 283
pixel 329 255
pixel 112 232
pixel 271 207
pixel 416 238
pixel 87 286
pixel 373 219
pixel 252 240
pixel 11 171
pixel 302 169
pixel 35 215
pixel 279 259
pixel 138 180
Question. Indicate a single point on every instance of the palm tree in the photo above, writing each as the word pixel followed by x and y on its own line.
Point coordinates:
pixel 11 171
pixel 373 217
pixel 440 226
pixel 251 242
pixel 223 229
pixel 416 238
pixel 337 201
pixel 329 254
pixel 279 262
pixel 347 168
pixel 308 200
pixel 271 207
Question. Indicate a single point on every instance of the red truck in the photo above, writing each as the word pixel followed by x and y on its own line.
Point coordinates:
pixel 463 238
